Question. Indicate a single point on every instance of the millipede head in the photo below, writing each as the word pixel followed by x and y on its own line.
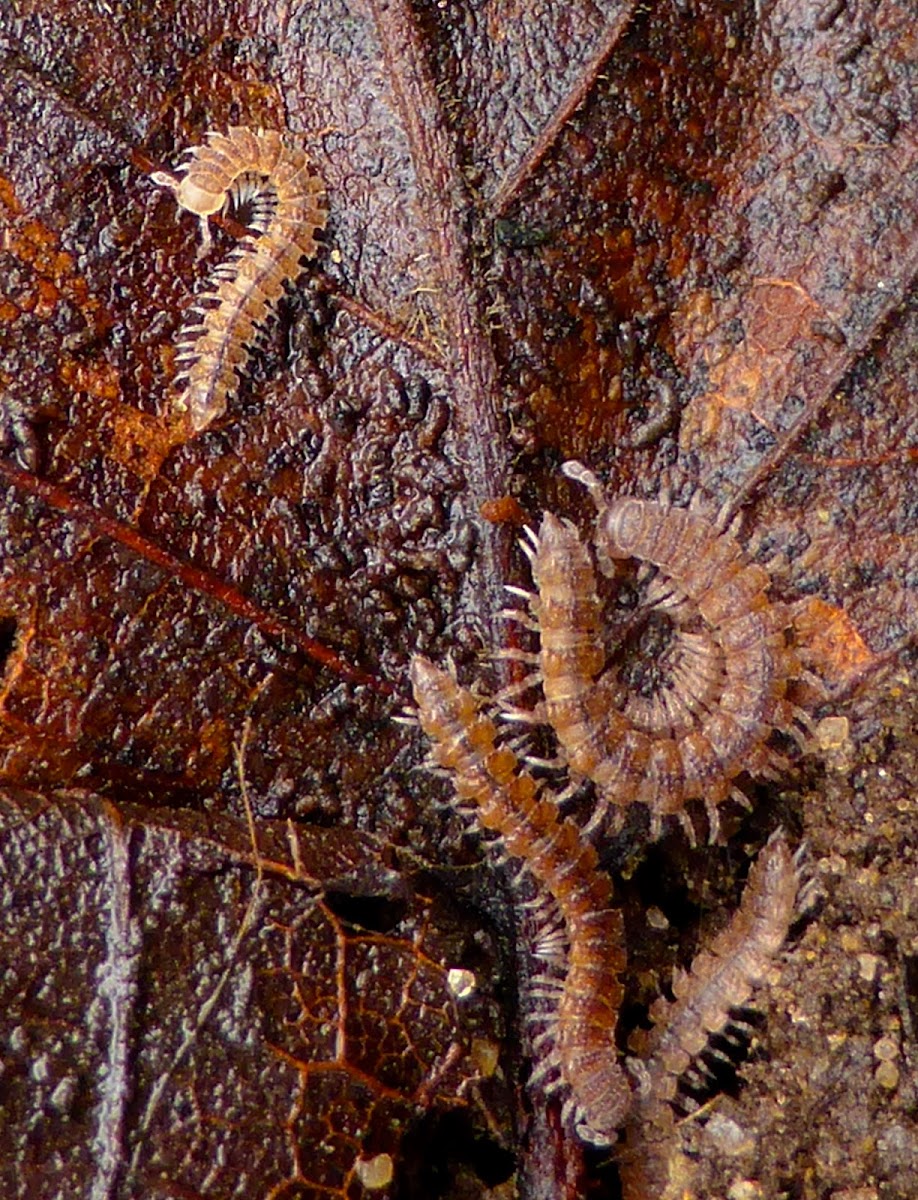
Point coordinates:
pixel 582 475
pixel 620 527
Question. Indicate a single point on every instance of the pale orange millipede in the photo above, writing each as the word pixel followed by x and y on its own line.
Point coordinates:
pixel 723 975
pixel 580 1039
pixel 721 978
pixel 729 667
pixel 285 195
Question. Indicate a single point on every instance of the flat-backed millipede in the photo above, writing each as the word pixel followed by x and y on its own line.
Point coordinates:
pixel 262 171
pixel 721 978
pixel 584 1002
pixel 720 671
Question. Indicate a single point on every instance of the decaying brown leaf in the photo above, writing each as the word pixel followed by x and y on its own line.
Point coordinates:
pixel 677 242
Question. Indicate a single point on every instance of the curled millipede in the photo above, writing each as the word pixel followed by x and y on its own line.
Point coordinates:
pixel 721 664
pixel 505 801
pixel 721 978
pixel 262 171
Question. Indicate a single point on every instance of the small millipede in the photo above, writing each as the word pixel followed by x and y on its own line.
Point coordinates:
pixel 587 946
pixel 262 171
pixel 722 977
pixel 721 663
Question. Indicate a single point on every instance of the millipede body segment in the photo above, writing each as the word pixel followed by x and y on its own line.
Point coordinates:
pixel 720 671
pixel 264 172
pixel 504 800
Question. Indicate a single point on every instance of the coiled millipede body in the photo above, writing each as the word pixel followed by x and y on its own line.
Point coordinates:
pixel 586 948
pixel 720 670
pixel 266 173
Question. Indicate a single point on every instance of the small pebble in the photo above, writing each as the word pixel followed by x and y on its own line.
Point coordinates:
pixel 484 1056
pixel 460 982
pixel 887 1075
pixel 868 964
pixel 832 732
pixel 64 1094
pixel 376 1172
pixel 728 1136
pixel 745 1189
pixel 886 1049
pixel 657 919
